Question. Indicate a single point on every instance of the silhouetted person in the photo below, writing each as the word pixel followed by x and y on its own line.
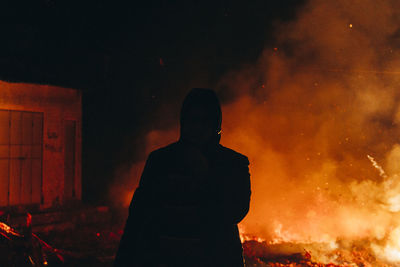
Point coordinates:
pixel 190 198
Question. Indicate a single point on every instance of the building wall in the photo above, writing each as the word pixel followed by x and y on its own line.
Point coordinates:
pixel 58 105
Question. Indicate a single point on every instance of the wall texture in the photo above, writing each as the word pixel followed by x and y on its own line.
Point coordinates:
pixel 58 106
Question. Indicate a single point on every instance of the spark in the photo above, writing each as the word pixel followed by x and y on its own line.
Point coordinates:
pixel 377 166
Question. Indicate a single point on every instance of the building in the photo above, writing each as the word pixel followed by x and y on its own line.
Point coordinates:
pixel 40 145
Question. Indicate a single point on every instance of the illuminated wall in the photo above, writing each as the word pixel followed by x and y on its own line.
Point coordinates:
pixel 40 144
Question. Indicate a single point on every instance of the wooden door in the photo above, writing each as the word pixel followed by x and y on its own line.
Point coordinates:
pixel 21 136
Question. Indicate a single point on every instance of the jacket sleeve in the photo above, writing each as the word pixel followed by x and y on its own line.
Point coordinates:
pixel 236 191
pixel 129 247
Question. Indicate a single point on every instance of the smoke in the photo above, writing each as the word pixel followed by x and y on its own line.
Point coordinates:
pixel 127 176
pixel 308 113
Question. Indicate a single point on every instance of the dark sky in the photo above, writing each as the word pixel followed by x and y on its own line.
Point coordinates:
pixel 130 61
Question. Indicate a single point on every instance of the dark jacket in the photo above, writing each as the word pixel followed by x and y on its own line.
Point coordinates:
pixel 186 209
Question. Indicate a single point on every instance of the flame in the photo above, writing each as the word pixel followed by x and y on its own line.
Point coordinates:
pixel 310 133
pixel 4 227
pixel 309 116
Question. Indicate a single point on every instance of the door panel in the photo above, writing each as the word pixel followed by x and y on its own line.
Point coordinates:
pixel 4 127
pixel 36 180
pixel 21 141
pixel 27 128
pixel 26 181
pixel 15 181
pixel 26 151
pixel 4 151
pixel 37 131
pixel 16 128
pixel 16 151
pixel 3 182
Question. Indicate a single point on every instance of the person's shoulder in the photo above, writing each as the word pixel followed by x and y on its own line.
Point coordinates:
pixel 165 151
pixel 232 155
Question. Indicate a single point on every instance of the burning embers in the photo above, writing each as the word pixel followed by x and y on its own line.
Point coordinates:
pixel 366 239
pixel 25 249
pixel 261 254
pixel 322 136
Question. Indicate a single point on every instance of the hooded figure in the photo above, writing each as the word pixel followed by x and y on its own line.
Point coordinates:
pixel 191 196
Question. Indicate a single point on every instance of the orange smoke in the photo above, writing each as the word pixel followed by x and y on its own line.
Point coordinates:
pixel 312 116
pixel 318 116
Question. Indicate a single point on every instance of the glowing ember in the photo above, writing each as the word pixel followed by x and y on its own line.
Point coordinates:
pixel 4 227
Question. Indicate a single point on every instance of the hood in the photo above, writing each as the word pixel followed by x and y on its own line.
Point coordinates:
pixel 207 100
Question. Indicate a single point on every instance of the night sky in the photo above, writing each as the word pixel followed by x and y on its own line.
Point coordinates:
pixel 131 61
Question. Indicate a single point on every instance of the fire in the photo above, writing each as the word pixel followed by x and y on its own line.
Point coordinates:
pixel 7 229
pixel 310 135
pixel 309 121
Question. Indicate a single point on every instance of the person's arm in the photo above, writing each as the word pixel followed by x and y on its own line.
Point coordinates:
pixel 130 241
pixel 236 192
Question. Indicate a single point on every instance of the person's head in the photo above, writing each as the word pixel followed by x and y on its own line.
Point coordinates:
pixel 201 117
